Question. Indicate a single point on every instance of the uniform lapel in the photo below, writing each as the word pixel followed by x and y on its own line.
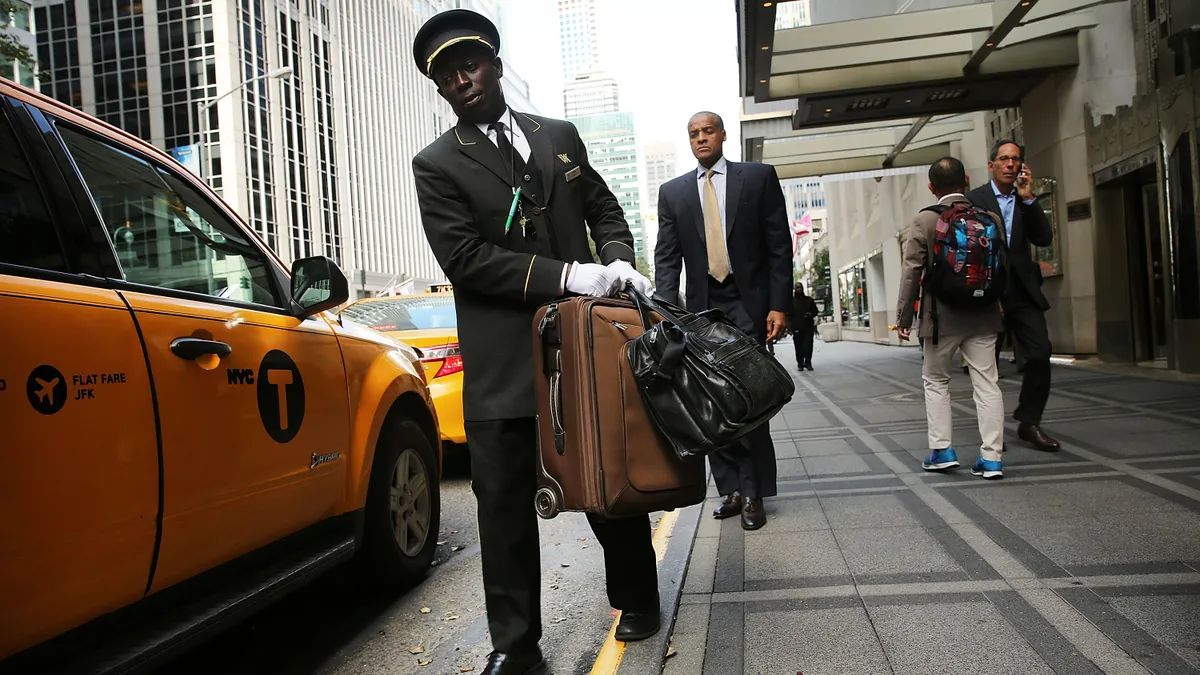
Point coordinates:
pixel 473 144
pixel 542 148
pixel 733 194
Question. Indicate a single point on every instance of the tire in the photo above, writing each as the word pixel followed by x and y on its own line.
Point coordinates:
pixel 395 557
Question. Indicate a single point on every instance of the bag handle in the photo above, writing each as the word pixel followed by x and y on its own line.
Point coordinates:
pixel 643 303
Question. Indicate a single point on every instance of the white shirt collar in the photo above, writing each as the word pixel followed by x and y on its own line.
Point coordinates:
pixel 721 167
pixel 960 195
pixel 513 128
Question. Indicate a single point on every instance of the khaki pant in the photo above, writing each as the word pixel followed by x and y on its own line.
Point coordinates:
pixel 980 354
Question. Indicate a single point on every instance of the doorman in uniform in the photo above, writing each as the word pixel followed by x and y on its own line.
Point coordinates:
pixel 504 197
pixel 803 317
pixel 727 222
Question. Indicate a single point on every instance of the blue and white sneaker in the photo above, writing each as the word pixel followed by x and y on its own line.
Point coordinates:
pixel 940 460
pixel 987 468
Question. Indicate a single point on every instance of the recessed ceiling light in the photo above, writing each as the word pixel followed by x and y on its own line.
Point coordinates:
pixel 829 110
pixel 990 44
pixel 767 4
pixel 908 100
pixel 766 47
pixel 762 81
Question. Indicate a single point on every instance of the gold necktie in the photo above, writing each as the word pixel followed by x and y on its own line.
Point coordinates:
pixel 718 257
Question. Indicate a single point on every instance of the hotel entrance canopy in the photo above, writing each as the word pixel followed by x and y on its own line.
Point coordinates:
pixel 887 83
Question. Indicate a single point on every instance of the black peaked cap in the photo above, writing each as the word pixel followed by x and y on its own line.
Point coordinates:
pixel 450 28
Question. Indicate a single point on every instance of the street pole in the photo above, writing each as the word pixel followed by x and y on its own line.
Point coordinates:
pixel 203 106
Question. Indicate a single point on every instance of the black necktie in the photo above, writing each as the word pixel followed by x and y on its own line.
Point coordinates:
pixel 507 153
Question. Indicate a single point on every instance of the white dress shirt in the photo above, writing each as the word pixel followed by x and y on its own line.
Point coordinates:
pixel 515 136
pixel 720 171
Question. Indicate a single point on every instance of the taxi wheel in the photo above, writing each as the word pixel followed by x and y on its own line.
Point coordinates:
pixel 403 507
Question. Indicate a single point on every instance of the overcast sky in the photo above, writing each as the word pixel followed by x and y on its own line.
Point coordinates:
pixel 671 58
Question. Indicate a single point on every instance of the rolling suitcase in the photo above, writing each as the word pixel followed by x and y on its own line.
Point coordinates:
pixel 599 450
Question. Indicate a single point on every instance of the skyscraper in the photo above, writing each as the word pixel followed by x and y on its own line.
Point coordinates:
pixel 792 14
pixel 317 162
pixel 660 168
pixel 577 37
pixel 612 150
pixel 590 94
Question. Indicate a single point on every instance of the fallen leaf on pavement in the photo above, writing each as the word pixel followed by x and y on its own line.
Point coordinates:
pixel 565 565
pixel 457 548
pixel 453 531
pixel 425 610
pixel 441 543
pixel 559 619
pixel 424 662
pixel 554 587
pixel 452 617
pixel 466 669
pixel 416 650
pixel 671 652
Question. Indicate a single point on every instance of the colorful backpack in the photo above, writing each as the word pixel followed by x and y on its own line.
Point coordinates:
pixel 967 261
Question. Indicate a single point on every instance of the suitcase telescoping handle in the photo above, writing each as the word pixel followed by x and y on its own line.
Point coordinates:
pixel 551 337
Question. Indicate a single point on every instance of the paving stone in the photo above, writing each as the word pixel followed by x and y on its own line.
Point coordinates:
pixel 815 642
pixel 894 550
pixel 953 639
pixel 788 555
pixel 789 515
pixel 1173 620
pixel 836 465
pixel 867 511
pixel 824 448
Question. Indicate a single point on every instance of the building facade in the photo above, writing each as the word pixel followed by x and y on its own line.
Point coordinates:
pixel 592 93
pixel 578 39
pixel 658 160
pixel 612 149
pixel 318 161
pixel 20 24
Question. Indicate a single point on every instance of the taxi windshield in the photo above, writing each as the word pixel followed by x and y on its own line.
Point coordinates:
pixel 407 313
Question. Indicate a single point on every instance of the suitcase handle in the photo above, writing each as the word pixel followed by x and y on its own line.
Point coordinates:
pixel 556 404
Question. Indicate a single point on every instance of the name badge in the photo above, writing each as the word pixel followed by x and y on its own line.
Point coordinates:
pixel 574 173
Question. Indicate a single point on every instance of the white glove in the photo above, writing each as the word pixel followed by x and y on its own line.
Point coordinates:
pixel 626 272
pixel 591 279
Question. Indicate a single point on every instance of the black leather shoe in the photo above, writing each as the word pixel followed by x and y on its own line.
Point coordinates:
pixel 635 626
pixel 730 506
pixel 809 366
pixel 1034 434
pixel 516 663
pixel 753 515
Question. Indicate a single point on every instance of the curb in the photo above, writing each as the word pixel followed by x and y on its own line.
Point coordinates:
pixel 647 657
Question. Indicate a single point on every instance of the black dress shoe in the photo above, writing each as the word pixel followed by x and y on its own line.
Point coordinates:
pixel 730 506
pixel 753 515
pixel 516 663
pixel 635 626
pixel 1034 434
pixel 809 366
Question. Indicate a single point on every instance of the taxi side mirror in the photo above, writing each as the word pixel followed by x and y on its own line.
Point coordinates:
pixel 318 284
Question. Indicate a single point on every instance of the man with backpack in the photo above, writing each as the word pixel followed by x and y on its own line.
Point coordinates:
pixel 955 263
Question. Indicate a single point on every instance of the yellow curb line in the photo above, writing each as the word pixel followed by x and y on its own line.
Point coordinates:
pixel 609 657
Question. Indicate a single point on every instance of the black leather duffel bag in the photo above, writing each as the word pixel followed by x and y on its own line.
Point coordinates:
pixel 705 383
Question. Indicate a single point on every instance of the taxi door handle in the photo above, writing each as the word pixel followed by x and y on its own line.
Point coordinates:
pixel 190 348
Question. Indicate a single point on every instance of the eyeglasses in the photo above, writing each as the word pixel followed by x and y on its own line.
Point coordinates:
pixel 1006 160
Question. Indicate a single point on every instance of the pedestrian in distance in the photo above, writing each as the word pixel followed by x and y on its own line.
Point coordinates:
pixel 803 316
pixel 946 327
pixel 726 222
pixel 504 198
pixel 1010 193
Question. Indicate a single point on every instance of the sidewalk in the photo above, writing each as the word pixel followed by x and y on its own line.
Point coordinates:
pixel 1082 561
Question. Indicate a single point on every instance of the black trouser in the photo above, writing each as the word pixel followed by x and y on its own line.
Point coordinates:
pixel 803 339
pixel 1025 322
pixel 503 465
pixel 747 467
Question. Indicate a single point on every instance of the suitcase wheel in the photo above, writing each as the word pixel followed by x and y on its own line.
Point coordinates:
pixel 546 503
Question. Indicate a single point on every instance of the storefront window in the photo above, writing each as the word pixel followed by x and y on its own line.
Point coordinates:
pixel 852 282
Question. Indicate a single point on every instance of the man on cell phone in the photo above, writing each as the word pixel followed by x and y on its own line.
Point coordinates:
pixel 1010 194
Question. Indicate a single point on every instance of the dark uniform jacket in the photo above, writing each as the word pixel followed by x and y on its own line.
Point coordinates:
pixel 500 280
pixel 1030 226
pixel 804 311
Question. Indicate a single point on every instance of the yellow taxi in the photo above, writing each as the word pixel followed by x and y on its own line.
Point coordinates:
pixel 189 431
pixel 428 322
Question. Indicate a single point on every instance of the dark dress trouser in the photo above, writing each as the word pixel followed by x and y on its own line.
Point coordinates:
pixel 748 466
pixel 803 339
pixel 503 465
pixel 1026 323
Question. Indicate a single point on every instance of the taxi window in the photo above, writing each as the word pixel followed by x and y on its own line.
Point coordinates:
pixel 412 313
pixel 27 236
pixel 164 233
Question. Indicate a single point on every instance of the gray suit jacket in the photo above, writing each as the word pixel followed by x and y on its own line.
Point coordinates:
pixel 952 321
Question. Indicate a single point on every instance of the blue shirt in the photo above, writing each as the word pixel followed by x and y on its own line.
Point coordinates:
pixel 1008 203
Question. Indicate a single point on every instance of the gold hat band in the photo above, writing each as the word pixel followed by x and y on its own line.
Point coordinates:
pixel 447 43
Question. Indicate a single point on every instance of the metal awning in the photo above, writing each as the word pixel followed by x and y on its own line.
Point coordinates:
pixel 891 90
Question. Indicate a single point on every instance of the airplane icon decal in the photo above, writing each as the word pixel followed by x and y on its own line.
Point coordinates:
pixel 46 392
pixel 46 389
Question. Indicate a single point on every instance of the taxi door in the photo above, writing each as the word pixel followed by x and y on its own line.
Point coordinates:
pixel 253 401
pixel 79 485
